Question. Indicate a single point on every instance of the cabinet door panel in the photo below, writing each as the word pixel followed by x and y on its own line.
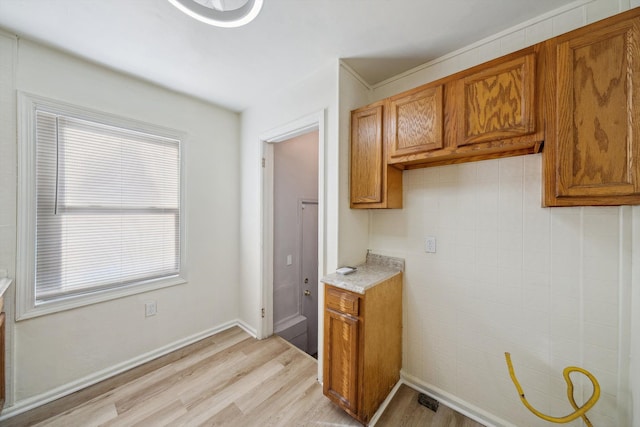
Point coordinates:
pixel 415 122
pixel 597 101
pixel 366 155
pixel 341 359
pixel 497 103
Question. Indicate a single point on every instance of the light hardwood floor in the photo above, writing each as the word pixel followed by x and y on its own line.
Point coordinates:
pixel 229 379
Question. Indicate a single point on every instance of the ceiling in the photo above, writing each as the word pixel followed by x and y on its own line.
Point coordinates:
pixel 287 42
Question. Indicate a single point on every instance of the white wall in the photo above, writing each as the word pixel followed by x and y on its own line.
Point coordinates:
pixel 295 179
pixel 543 284
pixel 635 320
pixel 551 286
pixel 345 232
pixel 8 168
pixel 54 352
pixel 354 223
pixel 316 94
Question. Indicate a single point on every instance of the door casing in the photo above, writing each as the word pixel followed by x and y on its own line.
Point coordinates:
pixel 311 122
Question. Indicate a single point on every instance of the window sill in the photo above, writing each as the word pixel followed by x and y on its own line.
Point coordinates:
pixel 69 303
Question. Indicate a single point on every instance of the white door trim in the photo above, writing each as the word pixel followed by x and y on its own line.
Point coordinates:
pixel 282 133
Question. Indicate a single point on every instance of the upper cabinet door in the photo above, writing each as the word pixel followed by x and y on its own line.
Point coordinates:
pixel 593 150
pixel 367 155
pixel 498 102
pixel 415 122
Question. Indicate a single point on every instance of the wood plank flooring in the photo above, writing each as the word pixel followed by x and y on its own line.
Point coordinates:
pixel 229 380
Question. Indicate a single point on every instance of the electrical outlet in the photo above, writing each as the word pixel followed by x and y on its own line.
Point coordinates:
pixel 430 244
pixel 150 309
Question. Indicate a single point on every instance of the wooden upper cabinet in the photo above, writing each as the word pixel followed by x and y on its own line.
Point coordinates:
pixel 497 102
pixel 486 112
pixel 415 121
pixel 374 184
pixel 578 93
pixel 366 155
pixel 592 152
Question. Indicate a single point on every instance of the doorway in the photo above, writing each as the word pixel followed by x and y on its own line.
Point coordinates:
pixel 312 122
pixel 295 240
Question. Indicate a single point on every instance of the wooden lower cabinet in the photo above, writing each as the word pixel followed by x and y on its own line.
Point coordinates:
pixel 362 346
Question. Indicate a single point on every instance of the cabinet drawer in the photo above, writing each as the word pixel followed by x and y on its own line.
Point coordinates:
pixel 342 301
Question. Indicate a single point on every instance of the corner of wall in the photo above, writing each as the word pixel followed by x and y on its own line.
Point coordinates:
pixel 353 224
pixel 634 369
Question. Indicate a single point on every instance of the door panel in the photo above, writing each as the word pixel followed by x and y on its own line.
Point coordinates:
pixel 597 83
pixel 309 268
pixel 366 155
pixel 341 360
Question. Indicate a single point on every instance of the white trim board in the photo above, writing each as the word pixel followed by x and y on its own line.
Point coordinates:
pixel 458 405
pixel 383 406
pixel 87 381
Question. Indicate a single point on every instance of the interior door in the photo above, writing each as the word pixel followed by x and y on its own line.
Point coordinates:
pixel 309 270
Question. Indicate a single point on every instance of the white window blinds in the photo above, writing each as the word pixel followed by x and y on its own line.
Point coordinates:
pixel 107 207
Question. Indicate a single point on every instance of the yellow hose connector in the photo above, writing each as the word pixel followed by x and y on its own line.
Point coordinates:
pixel 580 411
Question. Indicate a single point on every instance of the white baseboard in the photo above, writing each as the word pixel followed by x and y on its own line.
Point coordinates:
pixel 384 404
pixel 248 329
pixel 66 389
pixel 459 405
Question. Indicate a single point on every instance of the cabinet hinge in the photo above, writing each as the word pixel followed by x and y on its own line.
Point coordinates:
pixel 263 161
pixel 262 312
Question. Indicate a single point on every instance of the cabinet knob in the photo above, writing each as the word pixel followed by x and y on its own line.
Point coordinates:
pixel 307 292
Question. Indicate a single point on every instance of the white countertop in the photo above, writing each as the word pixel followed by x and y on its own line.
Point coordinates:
pixel 377 269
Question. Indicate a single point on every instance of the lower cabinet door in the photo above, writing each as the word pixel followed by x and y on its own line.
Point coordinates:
pixel 341 360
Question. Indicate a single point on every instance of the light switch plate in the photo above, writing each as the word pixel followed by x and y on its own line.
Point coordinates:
pixel 430 244
pixel 150 308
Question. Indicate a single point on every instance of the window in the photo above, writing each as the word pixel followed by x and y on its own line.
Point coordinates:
pixel 104 202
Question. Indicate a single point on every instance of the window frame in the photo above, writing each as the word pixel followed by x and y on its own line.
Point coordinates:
pixel 26 306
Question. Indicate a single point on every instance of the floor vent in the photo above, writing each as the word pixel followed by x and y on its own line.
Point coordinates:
pixel 428 401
